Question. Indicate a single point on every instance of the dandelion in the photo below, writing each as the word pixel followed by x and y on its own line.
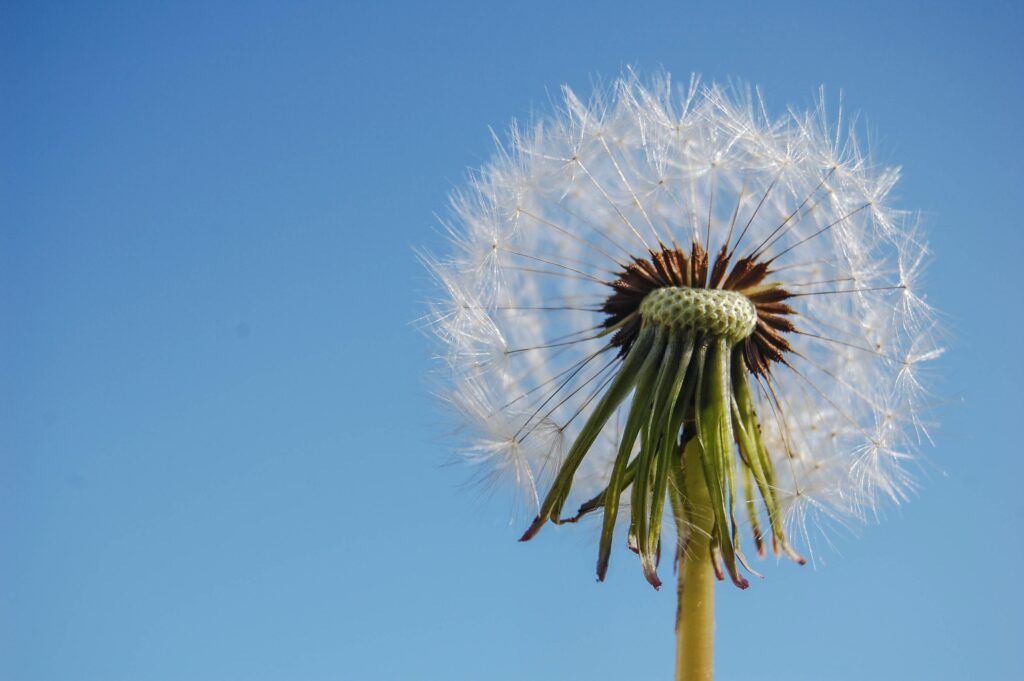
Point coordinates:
pixel 667 308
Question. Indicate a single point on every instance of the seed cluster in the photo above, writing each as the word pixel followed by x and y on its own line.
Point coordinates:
pixel 712 296
pixel 726 314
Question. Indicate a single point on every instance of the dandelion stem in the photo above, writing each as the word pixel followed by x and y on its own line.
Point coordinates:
pixel 695 615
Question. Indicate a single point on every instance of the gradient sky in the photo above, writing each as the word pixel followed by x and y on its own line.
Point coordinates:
pixel 219 458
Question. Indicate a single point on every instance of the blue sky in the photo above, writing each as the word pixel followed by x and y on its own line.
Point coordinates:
pixel 218 455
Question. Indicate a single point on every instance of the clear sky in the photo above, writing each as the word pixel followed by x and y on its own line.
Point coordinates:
pixel 218 455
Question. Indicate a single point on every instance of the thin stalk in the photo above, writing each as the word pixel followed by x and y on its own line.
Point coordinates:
pixel 695 615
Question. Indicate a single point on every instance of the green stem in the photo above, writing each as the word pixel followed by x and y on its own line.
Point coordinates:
pixel 695 615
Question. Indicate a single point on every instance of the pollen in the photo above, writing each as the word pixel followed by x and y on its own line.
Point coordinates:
pixel 726 314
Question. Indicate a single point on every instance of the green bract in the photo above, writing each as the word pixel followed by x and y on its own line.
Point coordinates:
pixel 688 377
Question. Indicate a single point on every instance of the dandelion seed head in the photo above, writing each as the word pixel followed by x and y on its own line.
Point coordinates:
pixel 651 204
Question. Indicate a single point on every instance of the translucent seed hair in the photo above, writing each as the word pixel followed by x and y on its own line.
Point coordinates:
pixel 690 208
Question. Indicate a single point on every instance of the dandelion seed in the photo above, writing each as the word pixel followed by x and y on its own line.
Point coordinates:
pixel 672 304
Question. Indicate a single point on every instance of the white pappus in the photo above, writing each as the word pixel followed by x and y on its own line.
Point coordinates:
pixel 558 239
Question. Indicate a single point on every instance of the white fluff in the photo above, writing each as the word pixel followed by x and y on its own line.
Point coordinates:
pixel 566 201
